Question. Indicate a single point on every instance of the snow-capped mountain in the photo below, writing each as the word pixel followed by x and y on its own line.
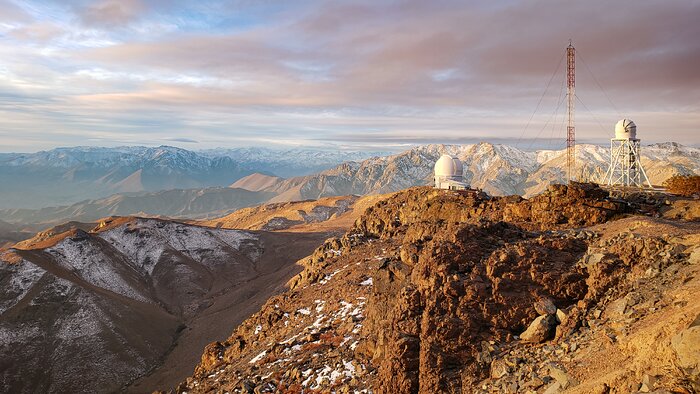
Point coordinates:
pixel 497 169
pixel 67 175
pixel 291 162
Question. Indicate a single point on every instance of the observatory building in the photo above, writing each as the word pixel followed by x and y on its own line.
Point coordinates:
pixel 625 164
pixel 448 174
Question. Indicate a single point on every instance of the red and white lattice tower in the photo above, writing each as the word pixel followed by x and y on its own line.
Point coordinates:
pixel 571 96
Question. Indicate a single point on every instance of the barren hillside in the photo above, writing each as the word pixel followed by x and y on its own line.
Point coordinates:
pixel 433 291
pixel 330 214
pixel 130 304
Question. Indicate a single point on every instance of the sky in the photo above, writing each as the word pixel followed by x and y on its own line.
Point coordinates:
pixel 343 74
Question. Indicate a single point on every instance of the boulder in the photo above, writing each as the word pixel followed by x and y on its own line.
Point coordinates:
pixel 540 330
pixel 686 344
pixel 545 306
pixel 560 375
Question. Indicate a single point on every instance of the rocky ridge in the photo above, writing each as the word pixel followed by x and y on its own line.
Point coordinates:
pixel 432 291
pixel 330 214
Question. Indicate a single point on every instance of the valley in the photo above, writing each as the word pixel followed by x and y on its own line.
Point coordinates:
pixel 135 285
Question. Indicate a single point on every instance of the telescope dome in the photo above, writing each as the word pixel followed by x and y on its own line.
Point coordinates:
pixel 625 129
pixel 448 166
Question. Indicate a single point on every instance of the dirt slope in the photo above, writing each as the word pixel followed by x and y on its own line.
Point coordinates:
pixel 437 292
pixel 257 182
pixel 10 234
pixel 325 214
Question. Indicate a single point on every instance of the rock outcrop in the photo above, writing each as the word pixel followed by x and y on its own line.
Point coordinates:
pixel 432 291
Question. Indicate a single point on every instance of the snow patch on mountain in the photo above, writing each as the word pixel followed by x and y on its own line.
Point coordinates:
pixel 145 240
pixel 21 279
pixel 92 264
pixel 88 320
pixel 497 169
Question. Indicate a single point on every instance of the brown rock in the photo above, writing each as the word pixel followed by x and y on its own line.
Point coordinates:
pixel 554 388
pixel 545 306
pixel 499 369
pixel 560 375
pixel 686 345
pixel 561 316
pixel 540 330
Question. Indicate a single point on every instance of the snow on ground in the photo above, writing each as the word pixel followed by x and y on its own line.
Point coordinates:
pixel 13 335
pixel 258 357
pixel 330 276
pixel 88 320
pixel 304 311
pixel 340 372
pixel 199 243
pixel 87 258
pixel 22 277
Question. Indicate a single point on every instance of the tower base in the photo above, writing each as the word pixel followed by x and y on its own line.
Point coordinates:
pixel 625 164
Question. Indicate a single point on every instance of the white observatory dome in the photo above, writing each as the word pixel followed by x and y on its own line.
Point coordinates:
pixel 625 129
pixel 448 166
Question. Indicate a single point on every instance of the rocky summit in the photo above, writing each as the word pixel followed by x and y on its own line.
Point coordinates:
pixel 434 291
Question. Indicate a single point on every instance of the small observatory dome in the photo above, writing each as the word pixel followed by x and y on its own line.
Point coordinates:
pixel 625 129
pixel 448 166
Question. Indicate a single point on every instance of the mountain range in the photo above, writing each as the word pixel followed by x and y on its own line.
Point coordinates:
pixel 64 176
pixel 497 169
pixel 402 299
pixel 183 203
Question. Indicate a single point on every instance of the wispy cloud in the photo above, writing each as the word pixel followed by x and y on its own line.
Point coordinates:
pixel 185 140
pixel 239 72
pixel 111 13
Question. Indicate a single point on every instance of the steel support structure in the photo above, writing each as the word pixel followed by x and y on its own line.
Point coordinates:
pixel 625 165
pixel 571 96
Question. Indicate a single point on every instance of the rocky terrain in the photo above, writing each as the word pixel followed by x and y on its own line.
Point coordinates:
pixel 437 291
pixel 127 304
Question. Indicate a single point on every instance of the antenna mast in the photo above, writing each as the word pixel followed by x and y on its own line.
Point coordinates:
pixel 570 93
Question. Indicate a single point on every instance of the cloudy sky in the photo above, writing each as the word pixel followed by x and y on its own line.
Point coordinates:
pixel 351 74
